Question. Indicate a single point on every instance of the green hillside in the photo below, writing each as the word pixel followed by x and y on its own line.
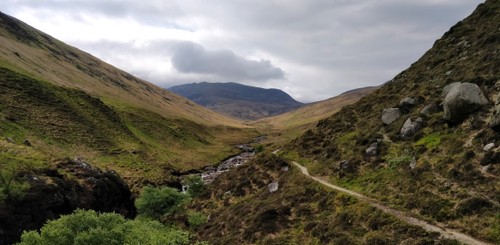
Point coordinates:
pixel 67 103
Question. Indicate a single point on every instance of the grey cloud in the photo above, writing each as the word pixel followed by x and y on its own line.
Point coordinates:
pixel 346 43
pixel 189 57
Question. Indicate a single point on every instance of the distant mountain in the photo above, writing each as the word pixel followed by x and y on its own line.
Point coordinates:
pixel 237 100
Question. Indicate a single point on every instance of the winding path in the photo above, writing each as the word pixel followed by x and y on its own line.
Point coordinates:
pixel 445 232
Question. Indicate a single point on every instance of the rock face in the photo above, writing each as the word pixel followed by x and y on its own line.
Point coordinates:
pixel 411 127
pixel 390 115
pixel 52 194
pixel 462 99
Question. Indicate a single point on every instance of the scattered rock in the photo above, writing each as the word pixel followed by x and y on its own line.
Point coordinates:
pixel 372 150
pixel 413 163
pixel 486 168
pixel 273 187
pixel 429 109
pixel 390 115
pixel 344 164
pixel 489 146
pixel 407 103
pixel 285 169
pixel 10 140
pixel 411 127
pixel 461 100
pixel 27 143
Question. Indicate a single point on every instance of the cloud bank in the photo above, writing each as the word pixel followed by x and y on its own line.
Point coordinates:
pixel 312 49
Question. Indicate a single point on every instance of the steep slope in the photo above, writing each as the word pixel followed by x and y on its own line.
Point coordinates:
pixel 67 103
pixel 238 100
pixel 290 125
pixel 443 171
pixel 419 144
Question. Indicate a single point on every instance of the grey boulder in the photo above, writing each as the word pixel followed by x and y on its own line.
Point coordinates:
pixel 461 100
pixel 390 115
pixel 411 127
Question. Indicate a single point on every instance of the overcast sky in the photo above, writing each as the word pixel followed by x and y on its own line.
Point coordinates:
pixel 312 49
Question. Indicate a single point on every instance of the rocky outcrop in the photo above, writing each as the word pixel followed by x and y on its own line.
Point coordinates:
pixel 462 99
pixel 390 115
pixel 68 185
pixel 411 127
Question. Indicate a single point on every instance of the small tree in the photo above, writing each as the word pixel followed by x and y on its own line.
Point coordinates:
pixel 156 202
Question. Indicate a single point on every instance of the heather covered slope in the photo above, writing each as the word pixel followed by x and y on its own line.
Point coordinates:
pixel 443 171
pixel 441 168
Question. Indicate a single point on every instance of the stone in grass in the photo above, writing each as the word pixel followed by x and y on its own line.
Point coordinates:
pixel 411 127
pixel 273 187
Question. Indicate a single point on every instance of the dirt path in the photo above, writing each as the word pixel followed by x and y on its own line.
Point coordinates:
pixel 445 232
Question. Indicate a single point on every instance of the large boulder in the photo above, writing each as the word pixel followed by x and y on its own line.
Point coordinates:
pixel 461 100
pixel 411 127
pixel 390 115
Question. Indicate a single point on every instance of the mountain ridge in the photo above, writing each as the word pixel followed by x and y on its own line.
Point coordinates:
pixel 238 100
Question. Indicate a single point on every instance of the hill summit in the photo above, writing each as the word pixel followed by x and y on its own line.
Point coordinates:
pixel 238 100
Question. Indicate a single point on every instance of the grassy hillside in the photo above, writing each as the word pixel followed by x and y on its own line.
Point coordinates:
pixel 443 172
pixel 288 126
pixel 67 103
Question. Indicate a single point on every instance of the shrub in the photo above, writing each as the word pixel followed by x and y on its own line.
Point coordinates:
pixel 196 219
pixel 195 185
pixel 10 187
pixel 89 227
pixel 156 202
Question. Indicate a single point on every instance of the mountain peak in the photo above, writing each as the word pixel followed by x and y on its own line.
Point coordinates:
pixel 238 100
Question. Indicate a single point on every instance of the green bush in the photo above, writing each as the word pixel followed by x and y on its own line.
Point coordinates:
pixel 196 219
pixel 89 227
pixel 156 202
pixel 10 187
pixel 195 185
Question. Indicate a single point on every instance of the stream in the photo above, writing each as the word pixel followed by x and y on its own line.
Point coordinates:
pixel 247 152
